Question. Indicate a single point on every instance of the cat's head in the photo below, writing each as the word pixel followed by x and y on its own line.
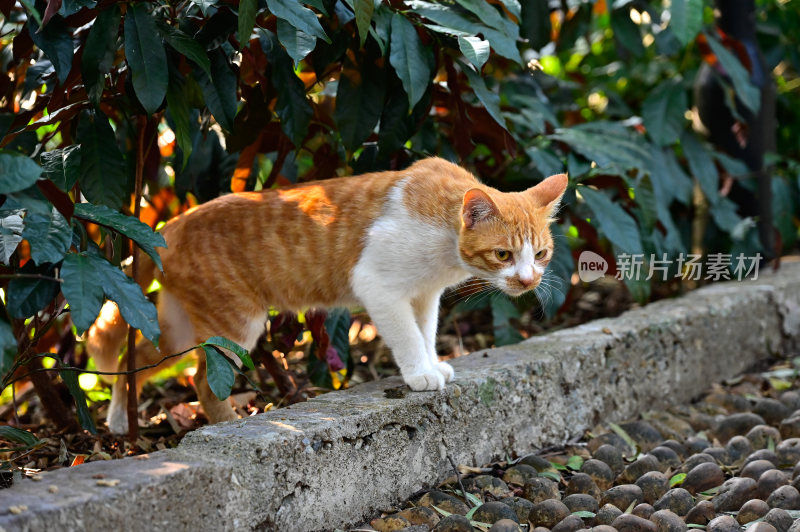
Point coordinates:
pixel 505 237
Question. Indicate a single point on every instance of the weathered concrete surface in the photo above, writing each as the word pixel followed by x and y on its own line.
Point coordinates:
pixel 338 458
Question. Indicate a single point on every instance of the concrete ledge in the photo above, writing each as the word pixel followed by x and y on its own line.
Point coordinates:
pixel 338 458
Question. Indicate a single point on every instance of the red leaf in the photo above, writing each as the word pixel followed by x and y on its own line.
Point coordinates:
pixel 58 198
pixel 333 359
pixel 52 8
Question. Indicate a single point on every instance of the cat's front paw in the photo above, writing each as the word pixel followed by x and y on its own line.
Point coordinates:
pixel 429 380
pixel 446 370
pixel 117 421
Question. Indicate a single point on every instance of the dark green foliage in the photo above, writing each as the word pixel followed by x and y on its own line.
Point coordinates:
pixel 332 88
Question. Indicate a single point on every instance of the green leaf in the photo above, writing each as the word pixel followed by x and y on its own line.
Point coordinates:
pixel 503 311
pixel 8 349
pixel 337 324
pixel 662 112
pixel 626 30
pixel 219 90
pixel 11 228
pixel 292 107
pixel 677 480
pixel 487 14
pixel 205 5
pixel 686 19
pixel 219 372
pixel 103 171
pixel 298 16
pixel 622 433
pixel 70 378
pixel 475 49
pixel 185 45
pixel 454 18
pixel 55 40
pixel 607 144
pixel 99 50
pixel 17 172
pixel 178 110
pixel 49 236
pixel 408 57
pixel 749 94
pixel 490 100
pixel 724 214
pixel 552 475
pixel 146 57
pixel 135 308
pixel 81 289
pixel 702 166
pixel 575 462
pixel 359 100
pixel 545 161
pixel 25 296
pixel 584 514
pixel 247 20
pixel 298 44
pixel 616 224
pixel 233 347
pixel 129 226
pixel 20 436
pixel 363 10
pixel 62 166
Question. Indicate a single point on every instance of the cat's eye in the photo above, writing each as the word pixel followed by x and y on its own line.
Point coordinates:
pixel 541 254
pixel 502 254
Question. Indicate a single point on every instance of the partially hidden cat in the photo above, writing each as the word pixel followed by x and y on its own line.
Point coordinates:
pixel 391 242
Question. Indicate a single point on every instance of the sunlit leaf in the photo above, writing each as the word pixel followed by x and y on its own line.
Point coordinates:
pixel 475 49
pixel 297 43
pixel 219 372
pixel 70 379
pixel 233 347
pixel 363 10
pixel 49 236
pixel 62 166
pixel 575 462
pixel 686 19
pixel 11 228
pixel 129 226
pixel 677 480
pixel 146 57
pixel 298 16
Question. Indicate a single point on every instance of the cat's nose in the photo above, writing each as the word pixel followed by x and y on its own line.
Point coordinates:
pixel 527 283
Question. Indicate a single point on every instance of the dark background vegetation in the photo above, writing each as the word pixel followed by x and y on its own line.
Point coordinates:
pixel 199 98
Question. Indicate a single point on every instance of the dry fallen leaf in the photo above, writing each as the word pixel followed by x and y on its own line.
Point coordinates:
pixel 16 510
pixel 108 482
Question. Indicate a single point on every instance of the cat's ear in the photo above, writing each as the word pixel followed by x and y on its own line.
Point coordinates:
pixel 548 193
pixel 476 207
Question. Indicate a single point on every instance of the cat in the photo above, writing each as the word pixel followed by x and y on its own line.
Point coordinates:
pixel 391 242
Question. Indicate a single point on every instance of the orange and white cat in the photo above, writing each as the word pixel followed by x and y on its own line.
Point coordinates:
pixel 389 241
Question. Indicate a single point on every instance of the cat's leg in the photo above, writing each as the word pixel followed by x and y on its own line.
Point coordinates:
pixel 426 308
pixel 395 319
pixel 146 354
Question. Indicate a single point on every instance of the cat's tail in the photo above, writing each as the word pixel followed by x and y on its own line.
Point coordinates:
pixel 110 330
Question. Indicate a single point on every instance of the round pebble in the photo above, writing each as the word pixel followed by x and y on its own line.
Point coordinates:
pixel 703 477
pixel 761 435
pixel 600 472
pixel 548 513
pixel 632 523
pixel 443 501
pixel 695 460
pixel 490 512
pixel 580 502
pixel 643 510
pixel 788 452
pixel 676 446
pixel 667 521
pixel 390 523
pixel 791 399
pixel 612 456
pixel 603 528
pixel 752 510
pixel 487 484
pixel 677 500
pixel 761 526
pixel 786 497
pixel 642 465
pixel 769 481
pixel 772 410
pixel 756 468
pixel 735 424
pixel 582 483
pixel 643 433
pixel 723 523
pixel 733 493
pixel 454 523
pixel 667 458
pixel 738 448
pixel 519 473
pixel 571 523
pixel 623 496
pixel 654 485
pixel 537 462
pixel 762 454
pixel 606 514
pixel 720 454
pixel 522 507
pixel 539 489
pixel 420 515
pixel 701 513
pixel 607 438
pixel 505 525
pixel 695 445
pixel 779 518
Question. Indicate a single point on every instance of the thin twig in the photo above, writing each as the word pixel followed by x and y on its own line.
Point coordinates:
pixel 458 477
